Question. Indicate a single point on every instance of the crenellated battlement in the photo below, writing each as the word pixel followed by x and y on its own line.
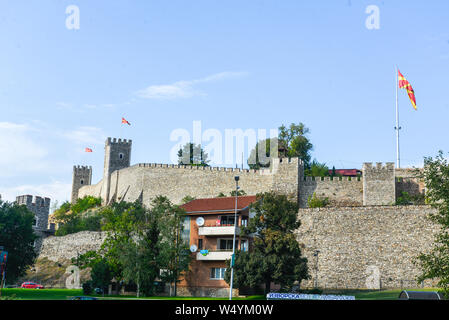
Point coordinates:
pixel 378 168
pixel 376 186
pixel 187 167
pixel 30 200
pixel 115 141
pixel 81 169
pixel 330 179
pixel 379 185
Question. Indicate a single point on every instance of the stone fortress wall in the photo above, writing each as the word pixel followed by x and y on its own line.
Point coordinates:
pixel 363 240
pixel 379 185
pixel 365 247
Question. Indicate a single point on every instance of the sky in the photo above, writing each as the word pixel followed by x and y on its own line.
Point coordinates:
pixel 68 76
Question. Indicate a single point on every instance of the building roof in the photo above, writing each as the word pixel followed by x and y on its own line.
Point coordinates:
pixel 346 172
pixel 213 205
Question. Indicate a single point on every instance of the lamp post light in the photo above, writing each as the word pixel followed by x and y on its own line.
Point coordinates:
pixel 233 242
pixel 316 267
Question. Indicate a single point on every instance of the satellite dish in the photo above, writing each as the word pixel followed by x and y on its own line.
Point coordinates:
pixel 200 221
pixel 193 248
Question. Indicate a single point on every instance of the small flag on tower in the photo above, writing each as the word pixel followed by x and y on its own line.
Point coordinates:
pixel 125 121
pixel 404 84
pixel 88 150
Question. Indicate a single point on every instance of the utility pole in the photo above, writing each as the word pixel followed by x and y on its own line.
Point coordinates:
pixel 235 228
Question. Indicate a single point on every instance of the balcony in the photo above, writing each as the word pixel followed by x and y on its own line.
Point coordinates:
pixel 217 255
pixel 218 230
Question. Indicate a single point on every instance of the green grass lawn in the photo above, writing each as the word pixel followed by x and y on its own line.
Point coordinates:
pixel 65 294
pixel 41 294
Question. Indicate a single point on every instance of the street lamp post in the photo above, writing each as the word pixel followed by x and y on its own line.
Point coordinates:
pixel 233 242
pixel 316 267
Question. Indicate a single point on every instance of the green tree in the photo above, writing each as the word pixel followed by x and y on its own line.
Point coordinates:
pixel 193 155
pixel 174 258
pixel 131 246
pixel 101 274
pixel 295 142
pixel 262 153
pixel 291 142
pixel 434 264
pixel 317 169
pixel 17 237
pixel 141 242
pixel 276 255
pixel 78 216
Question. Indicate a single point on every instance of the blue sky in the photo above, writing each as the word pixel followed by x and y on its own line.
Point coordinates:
pixel 229 64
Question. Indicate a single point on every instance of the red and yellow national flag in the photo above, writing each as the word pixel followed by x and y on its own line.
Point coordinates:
pixel 88 150
pixel 125 121
pixel 404 84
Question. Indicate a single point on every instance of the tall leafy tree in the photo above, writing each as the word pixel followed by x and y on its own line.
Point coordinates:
pixel 435 264
pixel 17 237
pixel 193 155
pixel 142 242
pixel 262 153
pixel 291 142
pixel 294 141
pixel 175 255
pixel 131 246
pixel 276 254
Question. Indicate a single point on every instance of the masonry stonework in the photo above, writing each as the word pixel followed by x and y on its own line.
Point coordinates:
pixel 379 186
pixel 82 176
pixel 354 241
pixel 41 208
pixel 146 181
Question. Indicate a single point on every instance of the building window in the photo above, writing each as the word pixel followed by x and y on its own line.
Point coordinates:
pixel 227 220
pixel 35 221
pixel 82 181
pixel 217 273
pixel 244 245
pixel 120 155
pixel 200 244
pixel 225 244
pixel 185 234
pixel 244 221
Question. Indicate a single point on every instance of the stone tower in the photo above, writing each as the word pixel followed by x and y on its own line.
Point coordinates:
pixel 82 176
pixel 117 155
pixel 379 186
pixel 40 207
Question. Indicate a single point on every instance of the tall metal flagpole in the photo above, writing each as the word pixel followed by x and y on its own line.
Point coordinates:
pixel 397 128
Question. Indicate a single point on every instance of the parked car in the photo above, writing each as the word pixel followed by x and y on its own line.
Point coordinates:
pixel 31 285
pixel 98 291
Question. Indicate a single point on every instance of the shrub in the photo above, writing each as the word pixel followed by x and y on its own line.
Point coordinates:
pixel 315 202
pixel 87 288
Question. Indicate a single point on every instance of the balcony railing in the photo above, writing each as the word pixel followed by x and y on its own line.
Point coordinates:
pixel 214 254
pixel 218 231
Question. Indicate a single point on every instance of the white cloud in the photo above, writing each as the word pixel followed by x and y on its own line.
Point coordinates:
pixel 183 89
pixel 20 150
pixel 86 135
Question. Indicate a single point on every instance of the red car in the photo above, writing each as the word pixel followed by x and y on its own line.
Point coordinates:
pixel 31 285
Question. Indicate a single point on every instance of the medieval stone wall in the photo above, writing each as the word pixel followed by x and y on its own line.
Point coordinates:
pixel 146 181
pixel 339 191
pixel 365 247
pixel 379 185
pixel 63 249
